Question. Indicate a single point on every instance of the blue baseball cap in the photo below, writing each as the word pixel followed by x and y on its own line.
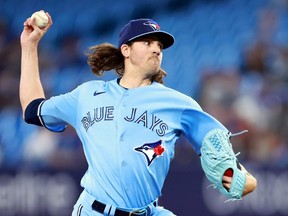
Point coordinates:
pixel 141 27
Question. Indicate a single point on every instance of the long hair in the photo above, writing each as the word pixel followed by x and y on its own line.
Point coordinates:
pixel 106 57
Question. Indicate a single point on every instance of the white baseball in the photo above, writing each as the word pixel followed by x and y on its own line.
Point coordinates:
pixel 41 19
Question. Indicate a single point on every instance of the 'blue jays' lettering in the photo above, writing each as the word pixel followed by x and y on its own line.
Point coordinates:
pixel 149 121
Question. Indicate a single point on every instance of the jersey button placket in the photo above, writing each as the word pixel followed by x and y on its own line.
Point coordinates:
pixel 126 94
pixel 121 138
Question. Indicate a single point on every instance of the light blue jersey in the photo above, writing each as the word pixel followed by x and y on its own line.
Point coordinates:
pixel 128 136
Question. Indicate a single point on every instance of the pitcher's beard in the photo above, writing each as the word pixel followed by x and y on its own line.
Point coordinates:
pixel 155 65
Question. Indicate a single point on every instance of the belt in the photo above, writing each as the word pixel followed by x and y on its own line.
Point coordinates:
pixel 100 207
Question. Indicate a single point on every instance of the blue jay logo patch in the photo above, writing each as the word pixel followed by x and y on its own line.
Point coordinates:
pixel 151 150
pixel 153 25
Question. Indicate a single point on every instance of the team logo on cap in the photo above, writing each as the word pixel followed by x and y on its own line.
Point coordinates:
pixel 153 25
pixel 151 150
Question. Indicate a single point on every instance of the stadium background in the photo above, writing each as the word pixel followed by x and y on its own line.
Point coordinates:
pixel 230 55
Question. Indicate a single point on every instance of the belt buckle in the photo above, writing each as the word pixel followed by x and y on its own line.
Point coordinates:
pixel 140 212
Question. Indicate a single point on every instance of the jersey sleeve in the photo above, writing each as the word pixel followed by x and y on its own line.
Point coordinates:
pixel 58 111
pixel 196 124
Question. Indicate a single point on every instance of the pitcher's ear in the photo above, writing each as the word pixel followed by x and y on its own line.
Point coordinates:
pixel 125 50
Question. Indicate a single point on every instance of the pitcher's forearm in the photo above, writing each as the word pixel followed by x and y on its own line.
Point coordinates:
pixel 30 84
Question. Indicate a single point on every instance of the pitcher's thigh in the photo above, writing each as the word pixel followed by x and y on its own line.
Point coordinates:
pixel 80 210
pixel 160 211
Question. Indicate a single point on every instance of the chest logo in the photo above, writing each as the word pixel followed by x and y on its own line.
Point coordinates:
pixel 98 93
pixel 151 150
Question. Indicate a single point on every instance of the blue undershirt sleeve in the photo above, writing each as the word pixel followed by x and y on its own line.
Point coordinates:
pixel 31 112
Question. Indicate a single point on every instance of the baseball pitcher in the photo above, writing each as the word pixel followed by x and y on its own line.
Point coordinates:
pixel 129 126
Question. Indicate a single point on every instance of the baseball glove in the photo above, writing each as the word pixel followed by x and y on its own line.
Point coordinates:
pixel 217 156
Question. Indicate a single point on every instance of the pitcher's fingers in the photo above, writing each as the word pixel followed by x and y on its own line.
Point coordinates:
pixel 227 179
pixel 50 21
pixel 226 185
